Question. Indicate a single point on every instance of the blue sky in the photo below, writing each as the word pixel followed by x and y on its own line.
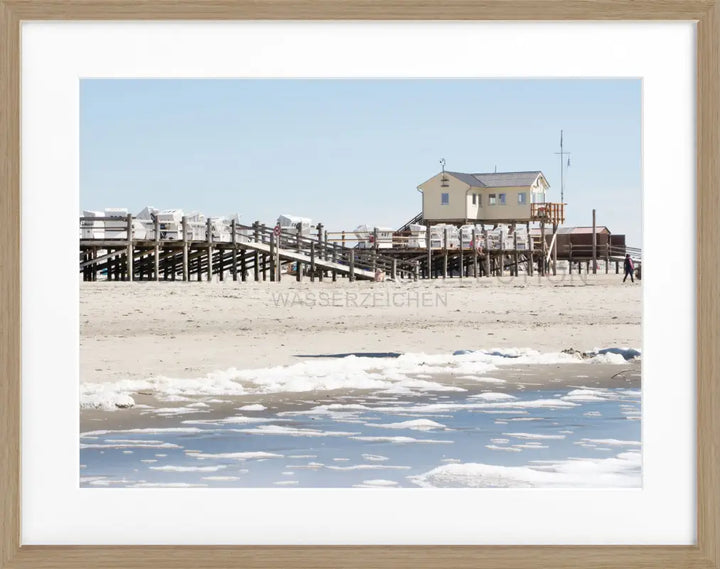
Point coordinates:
pixel 346 152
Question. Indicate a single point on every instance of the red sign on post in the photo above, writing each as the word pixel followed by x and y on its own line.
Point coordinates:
pixel 276 230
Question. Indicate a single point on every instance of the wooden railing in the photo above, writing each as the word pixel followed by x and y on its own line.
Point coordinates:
pixel 548 212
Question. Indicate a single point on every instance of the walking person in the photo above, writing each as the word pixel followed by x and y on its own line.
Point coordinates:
pixel 629 268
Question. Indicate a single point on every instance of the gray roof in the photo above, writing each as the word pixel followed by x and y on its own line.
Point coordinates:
pixel 498 179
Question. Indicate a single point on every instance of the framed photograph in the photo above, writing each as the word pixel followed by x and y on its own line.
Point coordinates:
pixel 349 285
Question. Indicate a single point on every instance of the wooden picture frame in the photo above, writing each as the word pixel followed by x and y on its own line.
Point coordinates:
pixel 704 554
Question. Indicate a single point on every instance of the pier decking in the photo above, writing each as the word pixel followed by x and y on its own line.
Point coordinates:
pixel 258 252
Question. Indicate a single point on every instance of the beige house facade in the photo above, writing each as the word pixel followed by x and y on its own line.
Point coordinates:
pixel 498 197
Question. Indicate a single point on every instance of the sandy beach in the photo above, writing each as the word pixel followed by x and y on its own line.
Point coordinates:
pixel 182 330
pixel 469 383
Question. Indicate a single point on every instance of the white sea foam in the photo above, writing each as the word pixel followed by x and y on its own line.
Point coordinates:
pixel 249 455
pixel 374 457
pixel 622 470
pixel 293 431
pixel 253 407
pixel 533 436
pixel 496 447
pixel 235 420
pixel 376 483
pixel 286 482
pixel 149 431
pixel 221 478
pixel 415 425
pixel 491 396
pixel 167 485
pixel 106 399
pixel 391 375
pixel 172 468
pixel 137 444
pixel 368 467
pixel 400 440
pixel 613 442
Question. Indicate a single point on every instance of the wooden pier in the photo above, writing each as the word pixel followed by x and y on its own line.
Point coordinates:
pixel 258 252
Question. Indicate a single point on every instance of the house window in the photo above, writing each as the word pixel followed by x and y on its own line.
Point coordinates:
pixel 501 199
pixel 474 199
pixel 492 199
pixel 479 200
pixel 444 198
pixel 522 198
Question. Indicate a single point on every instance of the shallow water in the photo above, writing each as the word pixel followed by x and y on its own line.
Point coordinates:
pixel 579 437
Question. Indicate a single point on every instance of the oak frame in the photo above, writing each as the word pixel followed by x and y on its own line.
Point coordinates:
pixel 705 554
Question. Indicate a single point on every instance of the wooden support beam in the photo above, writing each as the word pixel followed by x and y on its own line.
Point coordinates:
pixel 233 230
pixel 352 265
pixel 555 248
pixel 487 254
pixel 543 245
pixel 462 264
pixel 312 261
pixel 516 260
pixel 334 259
pixel 156 227
pixel 185 252
pixel 429 252
pixel 475 252
pixel 273 267
pixel 209 239
pixel 130 249
pixel 594 246
pixel 445 253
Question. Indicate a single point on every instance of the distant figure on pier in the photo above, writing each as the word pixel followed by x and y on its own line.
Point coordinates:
pixel 629 268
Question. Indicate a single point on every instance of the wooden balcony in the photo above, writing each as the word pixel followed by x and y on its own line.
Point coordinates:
pixel 553 213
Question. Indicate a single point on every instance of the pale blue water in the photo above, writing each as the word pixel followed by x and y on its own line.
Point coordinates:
pixel 323 461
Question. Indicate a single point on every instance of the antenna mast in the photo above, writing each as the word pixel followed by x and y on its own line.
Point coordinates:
pixel 562 154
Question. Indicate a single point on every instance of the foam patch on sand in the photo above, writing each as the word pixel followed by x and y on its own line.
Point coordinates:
pixel 149 431
pixel 293 431
pixel 171 468
pixel 415 425
pixel 250 455
pixel 368 467
pixel 376 483
pixel 390 375
pixel 621 471
pixel 253 407
pixel 400 440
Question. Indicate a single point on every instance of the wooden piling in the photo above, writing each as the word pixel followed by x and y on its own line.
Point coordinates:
pixel 475 252
pixel 186 264
pixel 445 253
pixel 487 254
pixel 334 259
pixel 594 246
pixel 312 261
pixel 156 227
pixel 209 239
pixel 555 248
pixel 273 268
pixel 233 229
pixel 256 263
pixel 130 249
pixel 543 248
pixel 429 252
pixel 462 264
pixel 352 265
pixel 515 254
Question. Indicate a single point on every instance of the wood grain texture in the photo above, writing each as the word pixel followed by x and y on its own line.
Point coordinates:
pixel 706 554
pixel 9 286
pixel 708 287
